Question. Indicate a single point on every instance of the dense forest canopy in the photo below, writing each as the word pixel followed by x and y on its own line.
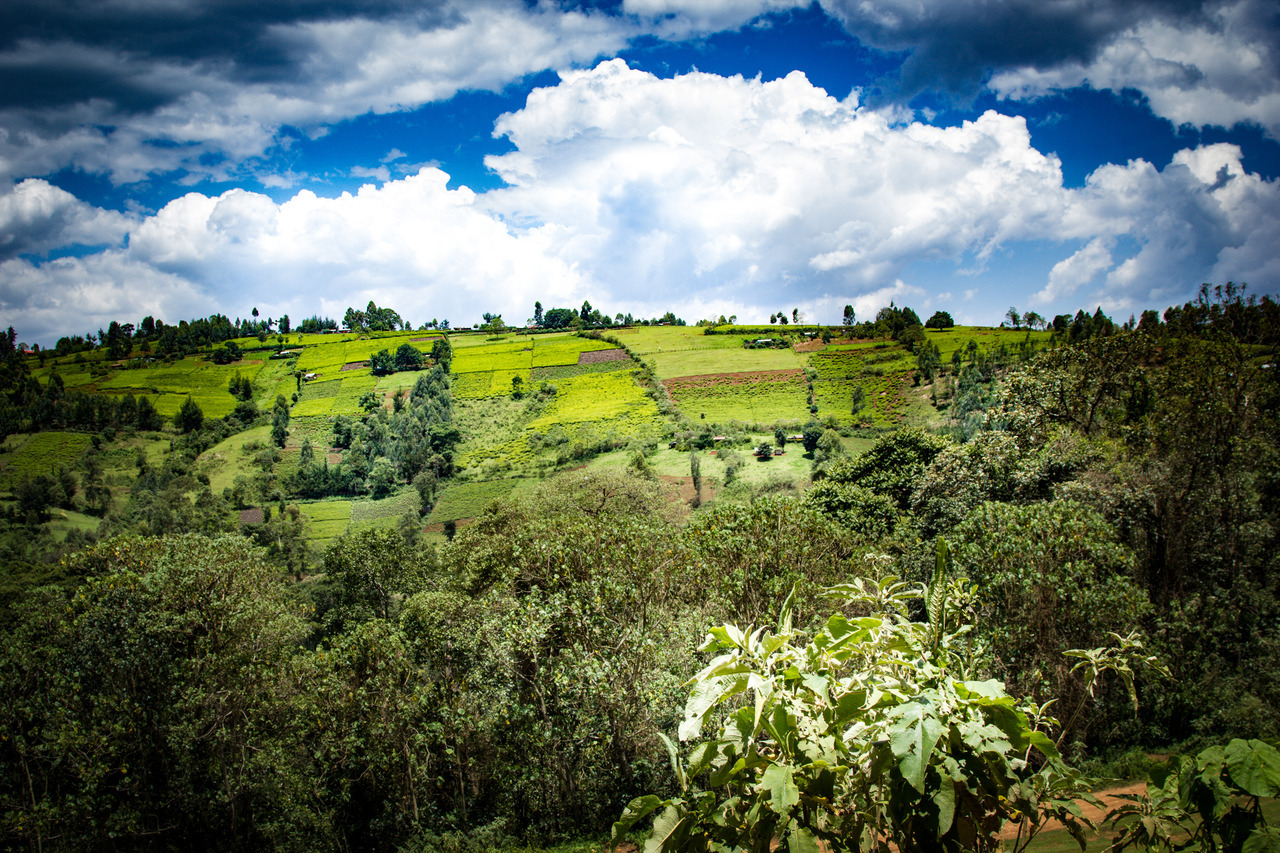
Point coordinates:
pixel 178 679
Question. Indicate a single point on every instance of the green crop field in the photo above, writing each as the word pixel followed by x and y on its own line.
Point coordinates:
pixel 704 362
pixel 599 398
pixel 467 500
pixel 383 513
pixel 327 520
pixel 325 354
pixel 763 397
pixel 493 357
pixel 644 340
pixel 567 371
pixel 39 454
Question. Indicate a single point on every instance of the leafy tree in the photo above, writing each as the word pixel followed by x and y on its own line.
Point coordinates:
pixel 227 353
pixel 189 417
pixel 156 705
pixel 148 418
pixel 1050 576
pixel 940 320
pixel 537 313
pixel 382 363
pixel 442 353
pixel 695 471
pixel 408 357
pixel 850 317
pixel 517 388
pixel 374 568
pixel 812 434
pixel 557 318
pixel 280 421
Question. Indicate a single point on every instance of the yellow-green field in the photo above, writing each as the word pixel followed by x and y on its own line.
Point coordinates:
pixel 26 456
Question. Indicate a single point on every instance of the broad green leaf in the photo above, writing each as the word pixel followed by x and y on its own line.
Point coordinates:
pixel 635 811
pixel 1254 766
pixel 668 830
pixel 1045 744
pixel 779 781
pixel 704 695
pixel 912 739
pixel 945 799
pixel 1263 839
pixel 991 689
pixel 699 757
pixel 674 755
pixel 801 840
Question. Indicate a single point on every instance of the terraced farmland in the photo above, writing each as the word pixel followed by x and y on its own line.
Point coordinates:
pixel 761 397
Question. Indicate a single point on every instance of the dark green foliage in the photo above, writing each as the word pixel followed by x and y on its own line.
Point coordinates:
pixel 227 353
pixel 892 467
pixel 940 320
pixel 408 357
pixel 189 417
pixel 382 363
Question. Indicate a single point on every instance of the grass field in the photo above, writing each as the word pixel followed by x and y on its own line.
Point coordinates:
pixel 228 459
pixel 644 340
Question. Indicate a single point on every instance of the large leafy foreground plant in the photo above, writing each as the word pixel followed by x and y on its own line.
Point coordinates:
pixel 869 735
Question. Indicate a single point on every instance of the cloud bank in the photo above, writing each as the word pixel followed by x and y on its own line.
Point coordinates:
pixel 705 193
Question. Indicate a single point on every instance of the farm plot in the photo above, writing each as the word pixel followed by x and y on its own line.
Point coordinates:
pixel 40 454
pixel 601 397
pixel 354 386
pixel 467 500
pixel 169 385
pixel 753 397
pixel 711 362
pixel 651 339
pixel 880 372
pixel 326 357
pixel 493 358
pixel 543 374
pixel 383 513
pixel 556 350
pixel 328 520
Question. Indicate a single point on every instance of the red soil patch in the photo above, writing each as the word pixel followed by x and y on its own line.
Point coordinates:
pixel 354 365
pixel 706 380
pixel 1109 799
pixel 684 489
pixel 602 355
pixel 815 345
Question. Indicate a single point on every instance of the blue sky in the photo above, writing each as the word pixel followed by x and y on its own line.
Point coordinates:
pixel 710 157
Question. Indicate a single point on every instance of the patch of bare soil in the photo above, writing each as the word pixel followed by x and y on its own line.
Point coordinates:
pixel 354 365
pixel 706 380
pixel 435 338
pixel 1109 799
pixel 815 345
pixel 251 516
pixel 600 356
pixel 684 491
